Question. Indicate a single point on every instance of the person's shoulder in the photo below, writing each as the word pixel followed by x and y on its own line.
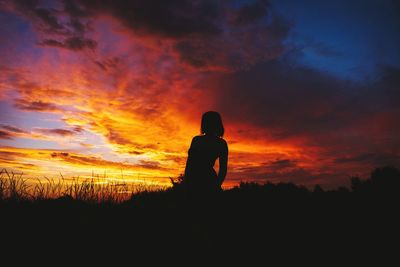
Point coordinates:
pixel 196 138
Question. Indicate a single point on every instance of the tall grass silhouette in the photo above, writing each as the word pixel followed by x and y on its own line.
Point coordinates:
pixel 14 186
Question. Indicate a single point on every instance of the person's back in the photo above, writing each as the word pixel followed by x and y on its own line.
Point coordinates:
pixel 204 150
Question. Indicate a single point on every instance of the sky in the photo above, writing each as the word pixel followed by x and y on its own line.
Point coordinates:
pixel 308 91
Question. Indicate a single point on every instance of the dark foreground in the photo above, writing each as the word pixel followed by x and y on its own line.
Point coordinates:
pixel 253 223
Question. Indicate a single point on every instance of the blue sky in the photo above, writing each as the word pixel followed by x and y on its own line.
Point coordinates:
pixel 350 39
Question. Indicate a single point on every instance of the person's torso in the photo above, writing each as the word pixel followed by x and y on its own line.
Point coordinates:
pixel 204 152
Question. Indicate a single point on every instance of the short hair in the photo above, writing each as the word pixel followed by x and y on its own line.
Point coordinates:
pixel 211 123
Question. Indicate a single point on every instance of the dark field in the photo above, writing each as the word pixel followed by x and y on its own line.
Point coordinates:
pixel 253 223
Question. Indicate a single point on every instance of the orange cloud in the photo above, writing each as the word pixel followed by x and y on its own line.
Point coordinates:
pixel 127 92
pixel 43 162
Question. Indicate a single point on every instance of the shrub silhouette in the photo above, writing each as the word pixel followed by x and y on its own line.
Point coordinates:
pixel 384 181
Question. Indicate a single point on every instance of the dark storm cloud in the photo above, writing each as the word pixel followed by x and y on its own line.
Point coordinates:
pixel 289 99
pixel 44 19
pixel 168 18
pixel 68 24
pixel 389 84
pixel 214 35
pixel 251 12
pixel 206 35
pixel 72 43
pixel 240 45
pixel 294 100
pixel 352 122
pixel 46 16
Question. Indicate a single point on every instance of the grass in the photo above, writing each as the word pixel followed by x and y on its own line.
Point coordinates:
pixel 14 186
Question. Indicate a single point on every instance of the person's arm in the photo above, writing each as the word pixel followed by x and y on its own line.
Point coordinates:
pixel 223 163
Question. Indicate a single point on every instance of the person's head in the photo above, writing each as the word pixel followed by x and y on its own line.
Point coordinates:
pixel 211 124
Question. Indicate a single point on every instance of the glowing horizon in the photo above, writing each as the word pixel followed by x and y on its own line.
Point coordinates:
pixel 86 88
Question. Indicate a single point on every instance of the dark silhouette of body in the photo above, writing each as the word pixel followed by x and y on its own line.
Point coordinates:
pixel 205 149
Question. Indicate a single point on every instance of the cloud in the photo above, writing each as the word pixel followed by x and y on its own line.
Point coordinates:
pixel 107 64
pixel 10 132
pixel 238 48
pixel 11 128
pixel 47 162
pixel 44 18
pixel 371 158
pixel 277 96
pixel 97 161
pixel 6 135
pixel 326 117
pixel 149 164
pixel 71 43
pixel 251 12
pixel 285 172
pixel 208 35
pixel 61 132
pixel 35 105
pixel 78 129
pixel 283 163
pixel 293 101
pixel 152 68
pixel 168 18
pixel 68 24
pixel 11 158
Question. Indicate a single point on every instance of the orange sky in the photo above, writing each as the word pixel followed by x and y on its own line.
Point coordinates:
pixel 103 95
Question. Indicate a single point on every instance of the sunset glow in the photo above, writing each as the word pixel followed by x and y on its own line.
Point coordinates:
pixel 88 87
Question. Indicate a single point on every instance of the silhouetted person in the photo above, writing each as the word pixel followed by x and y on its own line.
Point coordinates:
pixel 200 177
